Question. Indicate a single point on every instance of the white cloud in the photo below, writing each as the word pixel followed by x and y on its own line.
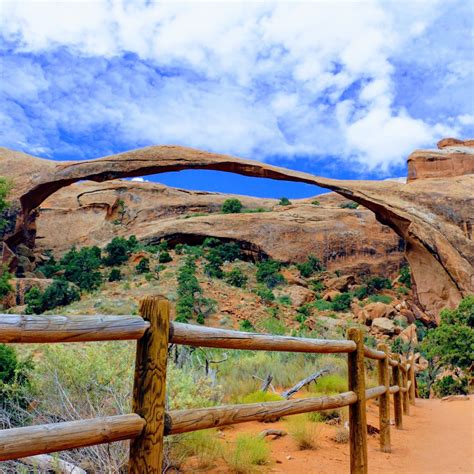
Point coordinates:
pixel 255 79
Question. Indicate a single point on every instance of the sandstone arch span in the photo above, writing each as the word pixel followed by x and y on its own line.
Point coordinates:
pixel 432 215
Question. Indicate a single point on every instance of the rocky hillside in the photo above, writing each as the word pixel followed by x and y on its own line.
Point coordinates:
pixel 345 239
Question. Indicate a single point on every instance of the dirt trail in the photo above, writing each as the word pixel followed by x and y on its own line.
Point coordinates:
pixel 437 438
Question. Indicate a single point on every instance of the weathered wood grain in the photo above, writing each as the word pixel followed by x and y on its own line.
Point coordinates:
pixel 146 451
pixel 397 397
pixel 202 336
pixel 31 328
pixel 183 421
pixel 373 353
pixel 357 411
pixel 411 377
pixel 384 400
pixel 405 391
pixel 375 392
pixel 41 439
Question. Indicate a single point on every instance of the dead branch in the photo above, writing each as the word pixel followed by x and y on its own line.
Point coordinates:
pixel 46 463
pixel 306 381
pixel 275 433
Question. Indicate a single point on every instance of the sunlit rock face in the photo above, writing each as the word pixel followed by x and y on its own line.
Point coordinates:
pixel 432 213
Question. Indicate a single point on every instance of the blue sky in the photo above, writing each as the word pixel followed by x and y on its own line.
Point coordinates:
pixel 338 89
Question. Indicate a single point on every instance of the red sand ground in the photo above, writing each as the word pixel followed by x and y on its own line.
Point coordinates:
pixel 437 438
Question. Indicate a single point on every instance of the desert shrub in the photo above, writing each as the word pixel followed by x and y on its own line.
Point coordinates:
pixel 268 273
pixel 5 187
pixel 331 383
pixel 179 249
pixel 372 286
pixel 405 276
pixel 449 385
pixel 188 287
pixel 265 294
pixel 273 325
pixel 315 202
pixel 342 302
pixel 115 275
pixel 310 267
pixel 249 451
pixel 303 431
pixel 203 445
pixel 452 341
pixel 259 397
pixel 164 257
pixel 284 201
pixel 322 305
pixel 81 267
pixel 317 285
pixel 329 415
pixel 246 325
pixel 420 330
pixel 399 346
pixel 380 299
pixel 402 291
pixel 59 293
pixel 117 252
pixel 143 266
pixel 231 206
pixel 303 312
pixel 285 300
pixel 236 278
pixel 349 205
pixel 341 436
pixel 5 277
pixel 50 268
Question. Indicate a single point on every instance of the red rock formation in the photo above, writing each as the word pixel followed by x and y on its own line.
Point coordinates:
pixel 432 215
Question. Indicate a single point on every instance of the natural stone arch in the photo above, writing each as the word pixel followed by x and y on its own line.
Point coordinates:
pixel 439 252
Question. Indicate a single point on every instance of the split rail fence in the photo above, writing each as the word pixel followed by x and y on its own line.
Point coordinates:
pixel 150 422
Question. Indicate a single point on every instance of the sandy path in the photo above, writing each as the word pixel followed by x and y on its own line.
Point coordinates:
pixel 437 438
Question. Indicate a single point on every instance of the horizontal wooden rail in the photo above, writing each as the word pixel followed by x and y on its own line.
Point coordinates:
pixel 202 336
pixel 393 363
pixel 373 353
pixel 375 392
pixel 394 389
pixel 184 421
pixel 29 328
pixel 41 439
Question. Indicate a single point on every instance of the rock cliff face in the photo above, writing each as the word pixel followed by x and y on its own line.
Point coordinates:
pixel 92 214
pixel 433 216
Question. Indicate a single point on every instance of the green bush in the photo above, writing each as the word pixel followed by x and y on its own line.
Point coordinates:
pixel 50 268
pixel 246 325
pixel 284 201
pixel 59 293
pixel 380 299
pixel 117 252
pixel 342 302
pixel 310 267
pixel 268 273
pixel 315 202
pixel 265 294
pixel 260 397
pixel 349 205
pixel 179 249
pixel 5 187
pixel 188 287
pixel 285 300
pixel 164 257
pixel 322 305
pixel 231 206
pixel 5 277
pixel 115 275
pixel 449 385
pixel 81 267
pixel 303 431
pixel 236 278
pixel 143 266
pixel 372 286
pixel 405 276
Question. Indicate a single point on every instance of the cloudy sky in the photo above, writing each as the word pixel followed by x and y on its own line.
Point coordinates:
pixel 341 89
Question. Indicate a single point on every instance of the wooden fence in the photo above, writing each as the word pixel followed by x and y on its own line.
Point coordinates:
pixel 149 423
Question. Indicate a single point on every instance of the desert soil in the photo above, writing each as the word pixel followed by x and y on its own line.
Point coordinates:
pixel 437 438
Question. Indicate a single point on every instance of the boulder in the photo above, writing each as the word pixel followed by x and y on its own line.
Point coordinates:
pixel 293 278
pixel 299 295
pixel 378 310
pixel 384 326
pixel 410 317
pixel 330 295
pixel 409 334
pixel 341 283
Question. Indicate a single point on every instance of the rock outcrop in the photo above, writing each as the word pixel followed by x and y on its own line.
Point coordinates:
pixel 432 215
pixel 344 239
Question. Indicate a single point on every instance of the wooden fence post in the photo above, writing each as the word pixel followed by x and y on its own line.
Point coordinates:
pixel 384 401
pixel 146 451
pixel 397 397
pixel 405 394
pixel 357 413
pixel 412 378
